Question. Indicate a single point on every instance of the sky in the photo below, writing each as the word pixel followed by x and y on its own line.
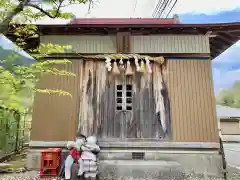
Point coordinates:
pixel 5 43
pixel 226 67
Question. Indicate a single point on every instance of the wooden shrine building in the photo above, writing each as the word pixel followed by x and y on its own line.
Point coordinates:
pixel 139 84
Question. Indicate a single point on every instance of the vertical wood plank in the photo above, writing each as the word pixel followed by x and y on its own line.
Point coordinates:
pixel 159 106
pixel 51 110
pixel 172 44
pixel 123 42
pixel 193 111
pixel 101 97
pixel 130 124
pixel 87 118
pixel 212 102
pixel 119 43
pixel 126 42
pixel 81 94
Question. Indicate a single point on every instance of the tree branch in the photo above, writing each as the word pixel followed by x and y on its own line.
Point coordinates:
pixel 69 4
pixel 41 10
pixel 44 11
pixel 8 19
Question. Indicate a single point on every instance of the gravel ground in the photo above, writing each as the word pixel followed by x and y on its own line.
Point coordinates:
pixel 234 174
pixel 33 175
pixel 29 175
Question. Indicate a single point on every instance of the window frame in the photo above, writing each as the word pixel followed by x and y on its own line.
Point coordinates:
pixel 126 91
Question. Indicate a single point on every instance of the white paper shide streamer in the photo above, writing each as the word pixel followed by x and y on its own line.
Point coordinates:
pixel 136 63
pixel 149 69
pixel 108 63
pixel 121 61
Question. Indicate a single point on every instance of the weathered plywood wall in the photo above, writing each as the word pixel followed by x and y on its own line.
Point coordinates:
pixel 54 116
pixel 192 101
pixel 98 112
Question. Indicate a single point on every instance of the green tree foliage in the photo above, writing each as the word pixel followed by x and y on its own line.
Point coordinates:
pixel 13 8
pixel 18 82
pixel 230 97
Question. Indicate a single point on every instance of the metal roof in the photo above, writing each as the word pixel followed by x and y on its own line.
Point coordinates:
pixel 124 21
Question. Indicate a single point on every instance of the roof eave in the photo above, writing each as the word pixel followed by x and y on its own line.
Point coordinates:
pixel 222 35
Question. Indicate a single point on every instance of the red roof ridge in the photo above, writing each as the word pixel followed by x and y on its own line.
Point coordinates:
pixel 120 21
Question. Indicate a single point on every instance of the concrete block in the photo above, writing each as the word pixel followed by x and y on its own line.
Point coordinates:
pixel 33 160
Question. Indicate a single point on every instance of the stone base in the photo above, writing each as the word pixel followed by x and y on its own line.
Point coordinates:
pixel 154 165
pixel 151 170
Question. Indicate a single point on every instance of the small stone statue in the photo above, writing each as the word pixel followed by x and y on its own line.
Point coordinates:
pixel 89 158
pixel 74 155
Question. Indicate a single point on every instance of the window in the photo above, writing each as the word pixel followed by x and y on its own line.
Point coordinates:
pixel 124 96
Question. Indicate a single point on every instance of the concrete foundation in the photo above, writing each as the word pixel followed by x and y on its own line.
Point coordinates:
pixel 153 165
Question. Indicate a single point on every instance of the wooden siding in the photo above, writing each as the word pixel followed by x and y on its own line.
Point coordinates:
pixel 170 44
pixel 92 107
pixel 192 101
pixel 54 116
pixel 190 89
pixel 84 44
pixel 138 44
pixel 123 42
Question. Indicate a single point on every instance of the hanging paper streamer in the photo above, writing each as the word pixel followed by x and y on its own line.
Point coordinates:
pixel 121 61
pixel 129 70
pixel 121 64
pixel 136 63
pixel 108 63
pixel 149 69
pixel 115 70
pixel 142 67
pixel 161 60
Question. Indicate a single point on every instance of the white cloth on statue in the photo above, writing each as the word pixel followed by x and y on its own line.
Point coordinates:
pixel 91 145
pixel 89 166
pixel 69 160
pixel 89 148
pixel 81 167
pixel 68 164
pixel 88 157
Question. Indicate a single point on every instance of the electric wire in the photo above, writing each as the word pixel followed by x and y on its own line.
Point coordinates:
pixel 158 14
pixel 156 8
pixel 174 4
pixel 161 8
pixel 135 7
